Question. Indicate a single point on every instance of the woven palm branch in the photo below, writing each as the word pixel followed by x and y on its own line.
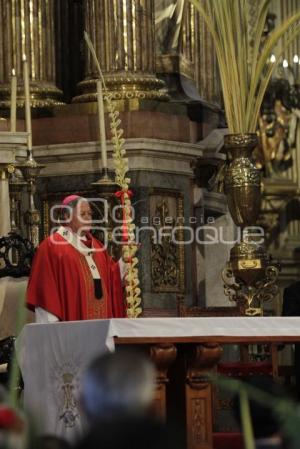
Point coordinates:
pixel 129 249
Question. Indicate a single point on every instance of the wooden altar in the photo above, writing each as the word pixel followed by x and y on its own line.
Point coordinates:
pixel 184 350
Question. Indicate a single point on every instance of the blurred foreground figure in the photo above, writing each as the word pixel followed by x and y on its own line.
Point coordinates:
pixel 117 397
pixel 128 433
pixel 52 442
pixel 118 384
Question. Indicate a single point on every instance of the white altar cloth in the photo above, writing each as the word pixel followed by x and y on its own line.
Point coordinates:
pixel 247 327
pixel 53 356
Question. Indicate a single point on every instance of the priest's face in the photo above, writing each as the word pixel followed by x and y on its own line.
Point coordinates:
pixel 81 220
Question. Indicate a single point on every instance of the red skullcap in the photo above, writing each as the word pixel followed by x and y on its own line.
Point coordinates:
pixel 69 199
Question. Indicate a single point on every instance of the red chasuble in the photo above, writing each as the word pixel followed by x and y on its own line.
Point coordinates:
pixel 61 282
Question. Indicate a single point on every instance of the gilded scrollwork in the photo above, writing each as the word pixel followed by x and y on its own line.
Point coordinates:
pixel 167 254
pixel 251 296
pixel 243 174
pixel 124 88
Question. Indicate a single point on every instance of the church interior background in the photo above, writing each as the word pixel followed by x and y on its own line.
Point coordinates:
pixel 160 69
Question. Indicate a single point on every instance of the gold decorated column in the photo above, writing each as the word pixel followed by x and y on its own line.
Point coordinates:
pixel 122 32
pixel 206 67
pixel 28 28
pixel 184 46
pixel 174 37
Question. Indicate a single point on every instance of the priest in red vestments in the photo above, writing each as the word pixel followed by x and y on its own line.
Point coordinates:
pixel 72 276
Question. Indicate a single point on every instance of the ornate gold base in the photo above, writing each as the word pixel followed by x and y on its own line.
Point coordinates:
pixel 42 96
pixel 124 87
pixel 250 277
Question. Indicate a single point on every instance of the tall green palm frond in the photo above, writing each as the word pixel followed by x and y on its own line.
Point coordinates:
pixel 244 66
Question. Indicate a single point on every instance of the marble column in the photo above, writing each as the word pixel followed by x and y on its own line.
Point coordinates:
pixel 122 32
pixel 29 29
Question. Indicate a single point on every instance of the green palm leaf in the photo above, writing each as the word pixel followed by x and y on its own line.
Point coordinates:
pixel 244 72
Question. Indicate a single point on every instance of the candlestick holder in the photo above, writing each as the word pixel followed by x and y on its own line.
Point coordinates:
pixel 30 170
pixel 106 189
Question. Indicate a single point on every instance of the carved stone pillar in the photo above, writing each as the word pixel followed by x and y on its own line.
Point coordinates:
pixel 123 37
pixel 163 356
pixel 198 395
pixel 28 28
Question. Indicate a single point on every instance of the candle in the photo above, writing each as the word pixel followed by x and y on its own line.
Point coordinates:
pixel 13 102
pixel 296 61
pixel 101 124
pixel 27 102
pixel 272 61
pixel 285 66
